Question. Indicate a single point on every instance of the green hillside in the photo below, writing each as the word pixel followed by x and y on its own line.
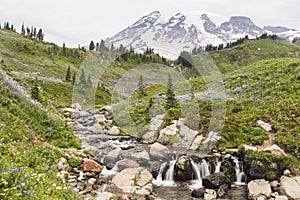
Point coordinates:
pixel 261 78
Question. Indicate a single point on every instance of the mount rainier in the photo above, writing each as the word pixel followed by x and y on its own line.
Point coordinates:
pixel 181 32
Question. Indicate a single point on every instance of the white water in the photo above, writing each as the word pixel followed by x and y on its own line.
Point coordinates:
pixel 218 166
pixel 169 179
pixel 239 172
pixel 201 170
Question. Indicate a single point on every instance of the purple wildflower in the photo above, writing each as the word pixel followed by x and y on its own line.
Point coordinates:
pixel 22 169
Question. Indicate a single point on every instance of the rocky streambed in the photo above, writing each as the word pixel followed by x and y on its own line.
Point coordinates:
pixel 122 168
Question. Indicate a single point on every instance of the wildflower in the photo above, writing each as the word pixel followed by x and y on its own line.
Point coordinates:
pixel 27 176
pixel 15 170
pixel 21 169
pixel 26 193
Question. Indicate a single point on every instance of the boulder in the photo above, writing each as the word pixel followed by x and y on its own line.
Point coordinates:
pixel 276 150
pixel 155 124
pixel 210 141
pixel 133 181
pixel 124 164
pixel 76 106
pixel 287 172
pixel 222 191
pixel 259 187
pixel 186 134
pixel 216 180
pixel 104 196
pixel 142 155
pixel 266 126
pixel 166 133
pixel 114 131
pixel 290 187
pixel 281 197
pixel 159 150
pixel 210 194
pixel 91 166
pixel 196 143
pixel 183 170
pixel 62 164
pixel 199 193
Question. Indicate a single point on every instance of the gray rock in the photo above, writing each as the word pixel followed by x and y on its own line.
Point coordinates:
pixel 155 124
pixel 216 180
pixel 133 180
pixel 276 150
pixel 166 133
pixel 142 155
pixel 290 187
pixel 104 196
pixel 266 126
pixel 159 150
pixel 259 187
pixel 210 194
pixel 210 140
pixel 196 143
pixel 114 131
pixel 281 197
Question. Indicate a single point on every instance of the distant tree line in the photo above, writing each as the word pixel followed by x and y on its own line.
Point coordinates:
pixel 29 32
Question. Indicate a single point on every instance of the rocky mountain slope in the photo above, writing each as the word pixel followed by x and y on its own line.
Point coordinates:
pixel 184 31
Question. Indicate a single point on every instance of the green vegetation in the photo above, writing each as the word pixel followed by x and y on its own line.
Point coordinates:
pixel 29 141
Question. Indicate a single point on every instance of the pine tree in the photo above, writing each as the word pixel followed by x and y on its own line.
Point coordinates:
pixel 147 112
pixel 23 29
pixel 35 90
pixel 102 47
pixel 68 75
pixel 92 46
pixel 28 31
pixel 64 50
pixel 141 87
pixel 40 35
pixel 171 101
pixel 82 78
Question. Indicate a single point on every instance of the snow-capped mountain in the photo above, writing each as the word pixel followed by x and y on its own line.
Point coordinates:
pixel 181 32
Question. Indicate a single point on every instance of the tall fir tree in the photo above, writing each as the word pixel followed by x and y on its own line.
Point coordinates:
pixel 171 101
pixel 141 87
pixel 73 78
pixel 68 75
pixel 64 49
pixel 23 29
pixel 92 46
pixel 40 35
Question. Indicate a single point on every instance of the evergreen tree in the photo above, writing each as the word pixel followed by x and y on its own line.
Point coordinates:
pixel 64 50
pixel 141 87
pixel 68 75
pixel 147 111
pixel 23 29
pixel 28 31
pixel 82 78
pixel 102 47
pixel 34 33
pixel 40 35
pixel 35 90
pixel 73 78
pixel 92 46
pixel 171 101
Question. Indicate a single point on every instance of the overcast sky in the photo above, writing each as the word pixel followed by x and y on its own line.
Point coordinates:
pixel 78 22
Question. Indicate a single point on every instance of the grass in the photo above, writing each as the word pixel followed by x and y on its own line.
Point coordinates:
pixel 30 142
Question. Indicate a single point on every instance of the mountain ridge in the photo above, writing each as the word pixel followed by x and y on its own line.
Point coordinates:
pixel 183 32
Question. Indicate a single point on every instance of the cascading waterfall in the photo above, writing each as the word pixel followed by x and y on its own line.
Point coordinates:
pixel 239 173
pixel 218 166
pixel 201 170
pixel 169 176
